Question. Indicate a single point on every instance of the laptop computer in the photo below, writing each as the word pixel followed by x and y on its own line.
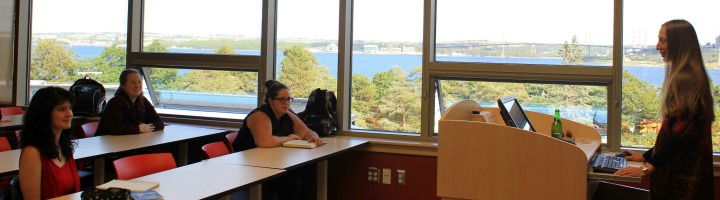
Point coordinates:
pixel 513 114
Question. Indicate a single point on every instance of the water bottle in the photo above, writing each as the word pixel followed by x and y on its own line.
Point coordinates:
pixel 557 129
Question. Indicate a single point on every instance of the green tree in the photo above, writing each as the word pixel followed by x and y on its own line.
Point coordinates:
pixel 111 62
pixel 302 73
pixel 156 46
pixel 161 78
pixel 571 53
pixel 52 62
pixel 225 49
pixel 364 103
pixel 641 102
pixel 400 110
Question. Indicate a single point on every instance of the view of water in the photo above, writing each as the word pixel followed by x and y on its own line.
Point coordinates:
pixel 370 64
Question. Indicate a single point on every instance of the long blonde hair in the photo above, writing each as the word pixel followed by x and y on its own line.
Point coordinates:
pixel 686 87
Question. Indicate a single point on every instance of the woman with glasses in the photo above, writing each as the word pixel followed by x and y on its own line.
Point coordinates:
pixel 271 125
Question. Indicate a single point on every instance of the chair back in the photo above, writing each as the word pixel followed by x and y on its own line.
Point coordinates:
pixel 7 111
pixel 230 139
pixel 140 165
pixel 89 129
pixel 4 144
pixel 215 149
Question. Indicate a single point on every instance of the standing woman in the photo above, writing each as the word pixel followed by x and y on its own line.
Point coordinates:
pixel 680 164
pixel 47 166
pixel 129 112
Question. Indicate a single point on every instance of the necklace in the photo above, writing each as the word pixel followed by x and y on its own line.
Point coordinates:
pixel 60 155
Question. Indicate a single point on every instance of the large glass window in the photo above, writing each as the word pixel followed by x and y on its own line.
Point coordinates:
pixel 186 26
pixel 205 90
pixel 67 44
pixel 550 32
pixel 583 104
pixel 386 65
pixel 307 55
pixel 643 68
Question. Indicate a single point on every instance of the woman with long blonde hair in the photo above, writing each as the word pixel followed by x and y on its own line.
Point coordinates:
pixel 680 164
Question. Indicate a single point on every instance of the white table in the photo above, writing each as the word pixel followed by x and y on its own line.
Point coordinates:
pixel 290 158
pixel 204 180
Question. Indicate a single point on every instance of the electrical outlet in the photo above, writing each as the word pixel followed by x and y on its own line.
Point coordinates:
pixel 401 176
pixel 386 176
pixel 373 175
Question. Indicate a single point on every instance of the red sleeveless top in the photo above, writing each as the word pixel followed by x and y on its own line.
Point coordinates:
pixel 58 181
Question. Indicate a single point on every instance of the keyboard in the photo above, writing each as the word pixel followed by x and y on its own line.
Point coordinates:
pixel 608 163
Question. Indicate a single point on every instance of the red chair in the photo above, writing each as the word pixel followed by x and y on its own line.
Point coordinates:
pixel 7 111
pixel 140 165
pixel 4 144
pixel 230 139
pixel 215 149
pixel 89 129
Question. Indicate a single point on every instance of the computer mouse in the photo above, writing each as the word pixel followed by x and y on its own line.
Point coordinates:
pixel 623 154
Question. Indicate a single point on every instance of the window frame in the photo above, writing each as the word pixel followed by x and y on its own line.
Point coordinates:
pixel 264 65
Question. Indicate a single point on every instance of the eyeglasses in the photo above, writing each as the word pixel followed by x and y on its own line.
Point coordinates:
pixel 284 100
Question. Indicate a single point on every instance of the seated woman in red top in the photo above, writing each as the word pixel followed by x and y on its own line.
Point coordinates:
pixel 129 112
pixel 47 166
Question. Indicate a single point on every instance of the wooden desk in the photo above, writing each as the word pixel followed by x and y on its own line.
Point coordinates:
pixel 11 159
pixel 11 122
pixel 290 158
pixel 204 180
pixel 478 160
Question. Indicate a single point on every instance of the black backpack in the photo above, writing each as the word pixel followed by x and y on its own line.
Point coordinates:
pixel 320 114
pixel 89 97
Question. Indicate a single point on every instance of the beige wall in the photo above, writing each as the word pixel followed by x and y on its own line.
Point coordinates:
pixel 6 51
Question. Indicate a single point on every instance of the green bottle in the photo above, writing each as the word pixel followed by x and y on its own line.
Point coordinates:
pixel 557 129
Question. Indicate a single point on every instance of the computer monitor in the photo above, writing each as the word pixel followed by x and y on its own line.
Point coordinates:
pixel 513 114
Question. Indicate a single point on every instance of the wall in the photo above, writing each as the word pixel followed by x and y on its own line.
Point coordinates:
pixel 7 8
pixel 347 176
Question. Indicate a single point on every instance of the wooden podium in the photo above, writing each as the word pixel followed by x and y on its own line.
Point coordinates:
pixel 478 160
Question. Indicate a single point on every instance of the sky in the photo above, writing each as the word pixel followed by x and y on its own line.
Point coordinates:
pixel 549 21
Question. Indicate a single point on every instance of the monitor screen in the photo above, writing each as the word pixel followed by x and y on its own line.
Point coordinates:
pixel 513 113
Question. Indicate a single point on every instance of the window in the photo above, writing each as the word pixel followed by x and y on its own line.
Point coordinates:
pixel 550 32
pixel 643 68
pixel 386 65
pixel 583 104
pixel 307 56
pixel 68 45
pixel 205 90
pixel 185 26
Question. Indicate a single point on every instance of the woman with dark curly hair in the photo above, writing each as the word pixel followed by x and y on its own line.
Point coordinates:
pixel 47 166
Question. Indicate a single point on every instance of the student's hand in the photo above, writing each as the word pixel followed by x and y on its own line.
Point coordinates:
pixel 146 128
pixel 634 156
pixel 292 137
pixel 630 171
pixel 316 140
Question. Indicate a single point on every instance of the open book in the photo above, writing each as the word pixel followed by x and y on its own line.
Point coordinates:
pixel 299 144
pixel 134 186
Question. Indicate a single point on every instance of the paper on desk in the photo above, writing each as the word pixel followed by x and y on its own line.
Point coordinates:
pixel 134 186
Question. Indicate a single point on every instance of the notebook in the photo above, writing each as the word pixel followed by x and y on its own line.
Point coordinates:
pixel 299 144
pixel 134 186
pixel 147 195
